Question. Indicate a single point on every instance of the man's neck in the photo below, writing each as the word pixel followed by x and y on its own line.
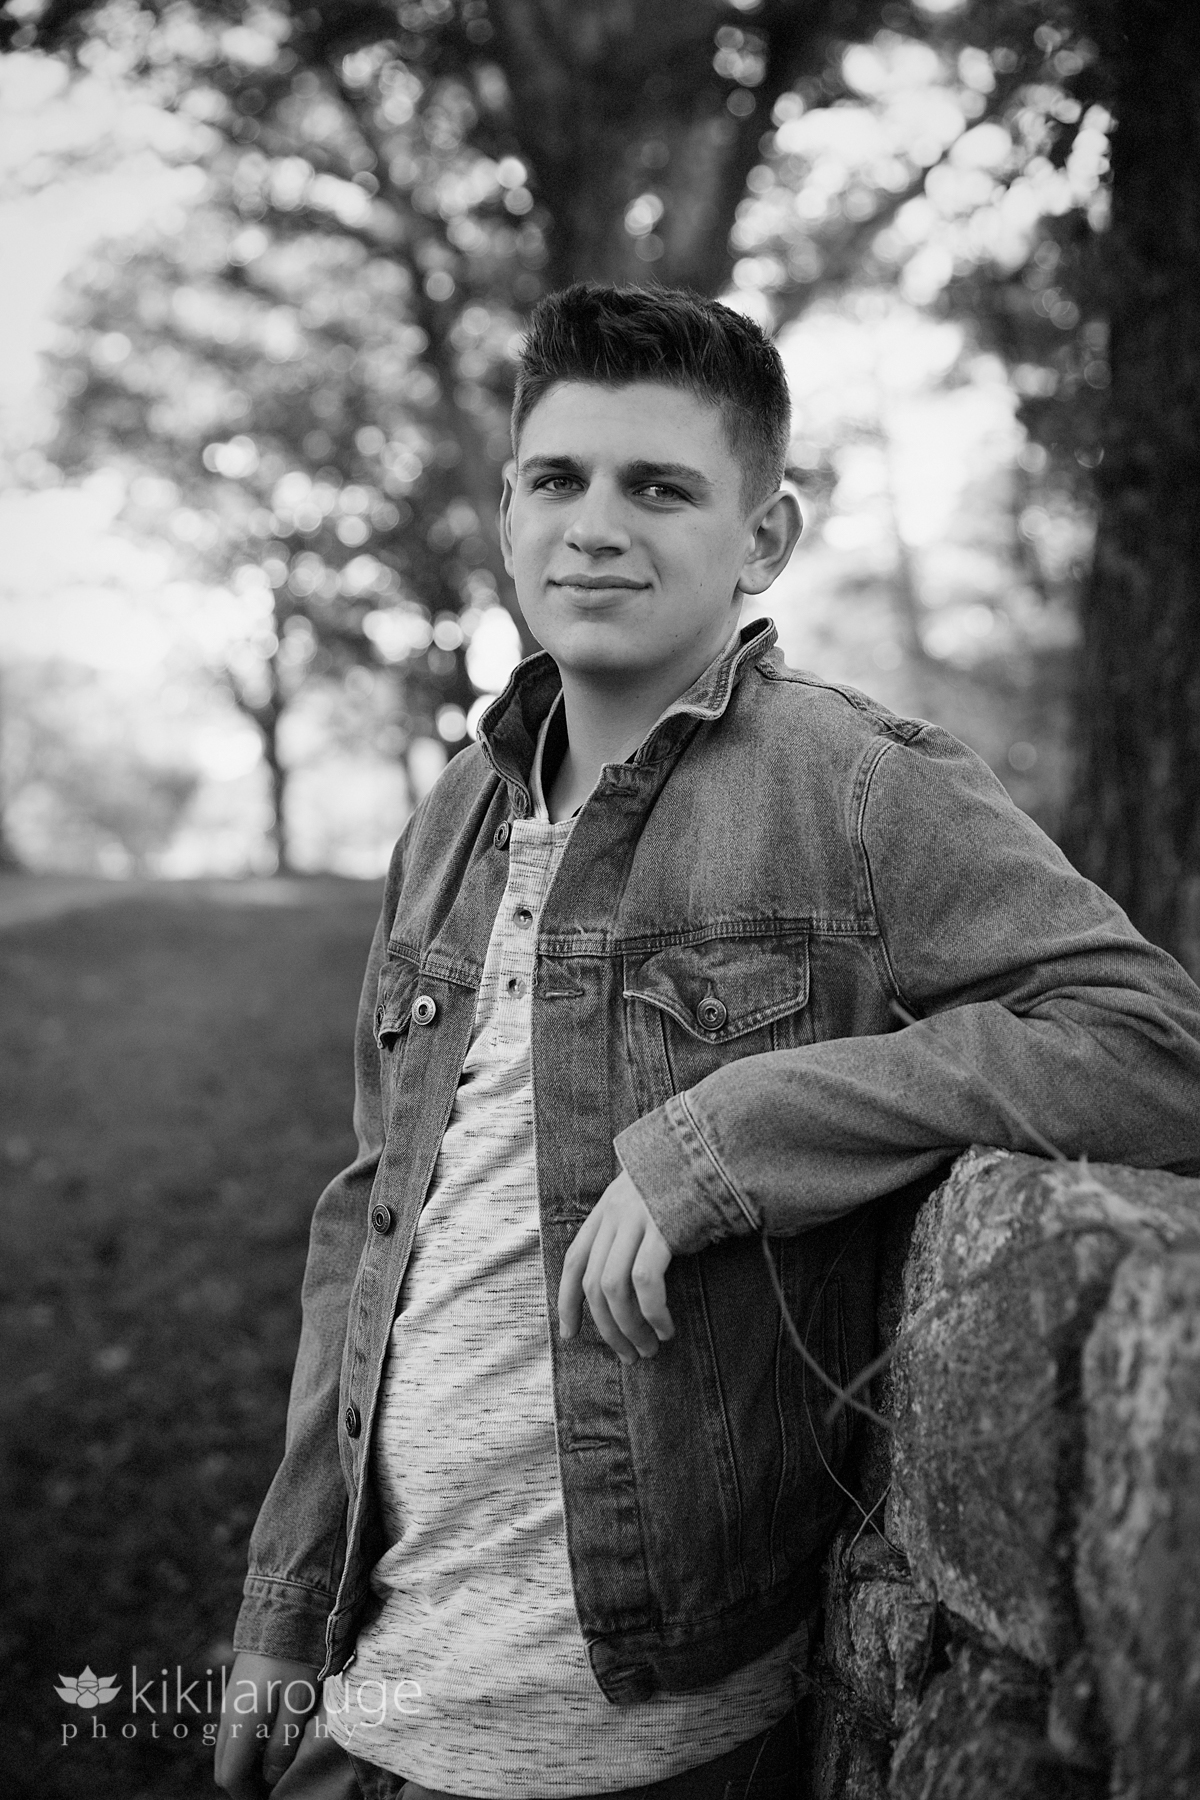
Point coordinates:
pixel 605 724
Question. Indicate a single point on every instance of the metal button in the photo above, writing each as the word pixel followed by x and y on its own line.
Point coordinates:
pixel 424 1010
pixel 381 1218
pixel 351 1421
pixel 523 916
pixel 711 1013
pixel 500 837
pixel 516 986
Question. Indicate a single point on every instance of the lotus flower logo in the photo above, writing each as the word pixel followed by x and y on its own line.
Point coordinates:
pixel 88 1689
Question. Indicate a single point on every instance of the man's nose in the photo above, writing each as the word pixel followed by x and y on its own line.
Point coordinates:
pixel 597 525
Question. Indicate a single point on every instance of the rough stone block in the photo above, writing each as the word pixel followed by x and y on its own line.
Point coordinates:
pixel 878 1629
pixel 848 1765
pixel 1139 1540
pixel 979 1734
pixel 1009 1263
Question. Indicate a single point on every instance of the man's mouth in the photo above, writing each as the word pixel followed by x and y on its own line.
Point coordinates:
pixel 597 583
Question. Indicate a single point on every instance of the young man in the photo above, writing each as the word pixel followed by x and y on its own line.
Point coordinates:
pixel 556 1486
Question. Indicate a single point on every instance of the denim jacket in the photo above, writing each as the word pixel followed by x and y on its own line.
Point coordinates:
pixel 738 909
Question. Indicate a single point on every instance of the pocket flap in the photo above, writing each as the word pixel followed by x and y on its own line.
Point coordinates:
pixel 398 983
pixel 723 987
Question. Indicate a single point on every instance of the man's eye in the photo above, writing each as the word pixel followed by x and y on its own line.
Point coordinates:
pixel 554 484
pixel 660 490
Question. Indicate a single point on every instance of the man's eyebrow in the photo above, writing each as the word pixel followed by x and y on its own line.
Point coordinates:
pixel 656 471
pixel 538 465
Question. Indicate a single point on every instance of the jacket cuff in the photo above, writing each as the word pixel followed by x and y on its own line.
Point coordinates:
pixel 281 1618
pixel 681 1177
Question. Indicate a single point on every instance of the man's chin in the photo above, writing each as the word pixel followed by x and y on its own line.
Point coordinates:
pixel 596 647
pixel 599 670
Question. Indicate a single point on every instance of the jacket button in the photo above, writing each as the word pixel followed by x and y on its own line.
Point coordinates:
pixel 711 1013
pixel 351 1421
pixel 424 1010
pixel 381 1218
pixel 500 838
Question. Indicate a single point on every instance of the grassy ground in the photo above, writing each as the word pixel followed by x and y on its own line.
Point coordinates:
pixel 176 1085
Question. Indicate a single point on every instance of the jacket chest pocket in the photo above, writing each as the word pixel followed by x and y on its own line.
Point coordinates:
pixel 399 984
pixel 689 1008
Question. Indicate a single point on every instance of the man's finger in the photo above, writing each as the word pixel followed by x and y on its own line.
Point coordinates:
pixel 283 1694
pixel 597 1300
pixel 570 1287
pixel 240 1753
pixel 650 1267
pixel 617 1288
pixel 296 1701
pixel 239 1765
pixel 608 1328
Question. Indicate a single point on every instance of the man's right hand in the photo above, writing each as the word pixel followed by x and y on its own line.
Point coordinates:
pixel 275 1693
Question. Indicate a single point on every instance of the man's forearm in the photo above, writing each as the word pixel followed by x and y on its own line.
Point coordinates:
pixel 794 1137
pixel 1035 1001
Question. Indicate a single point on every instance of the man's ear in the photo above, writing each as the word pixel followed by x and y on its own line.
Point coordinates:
pixel 502 516
pixel 776 524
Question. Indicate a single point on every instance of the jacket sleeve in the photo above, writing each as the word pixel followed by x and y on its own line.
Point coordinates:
pixel 297 1547
pixel 1026 981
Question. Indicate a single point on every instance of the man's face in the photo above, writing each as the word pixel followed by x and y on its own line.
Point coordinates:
pixel 624 528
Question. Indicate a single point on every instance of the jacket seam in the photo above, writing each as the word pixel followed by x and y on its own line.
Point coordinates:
pixel 286 1581
pixel 860 838
pixel 726 1432
pixel 599 948
pixel 897 729
pixel 780 1426
pixel 395 877
pixel 436 968
pixel 743 1205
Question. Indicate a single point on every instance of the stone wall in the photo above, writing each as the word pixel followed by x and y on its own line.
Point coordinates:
pixel 1013 1611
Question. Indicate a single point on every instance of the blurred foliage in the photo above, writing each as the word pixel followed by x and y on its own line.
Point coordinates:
pixel 307 376
pixel 949 173
pixel 92 790
pixel 317 369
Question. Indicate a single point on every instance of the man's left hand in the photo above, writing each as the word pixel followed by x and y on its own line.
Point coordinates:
pixel 617 1261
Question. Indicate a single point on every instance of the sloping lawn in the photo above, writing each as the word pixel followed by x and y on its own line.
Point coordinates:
pixel 175 1089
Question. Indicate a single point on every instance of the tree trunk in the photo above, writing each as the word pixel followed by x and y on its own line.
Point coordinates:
pixel 620 98
pixel 277 775
pixel 265 714
pixel 1134 824
pixel 10 862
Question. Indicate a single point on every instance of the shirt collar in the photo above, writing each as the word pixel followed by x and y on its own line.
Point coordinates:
pixel 513 728
pixel 691 700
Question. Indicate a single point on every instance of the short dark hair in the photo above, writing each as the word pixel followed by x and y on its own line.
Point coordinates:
pixel 617 336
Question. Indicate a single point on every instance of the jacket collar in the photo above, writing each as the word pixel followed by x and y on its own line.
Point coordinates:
pixel 508 730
